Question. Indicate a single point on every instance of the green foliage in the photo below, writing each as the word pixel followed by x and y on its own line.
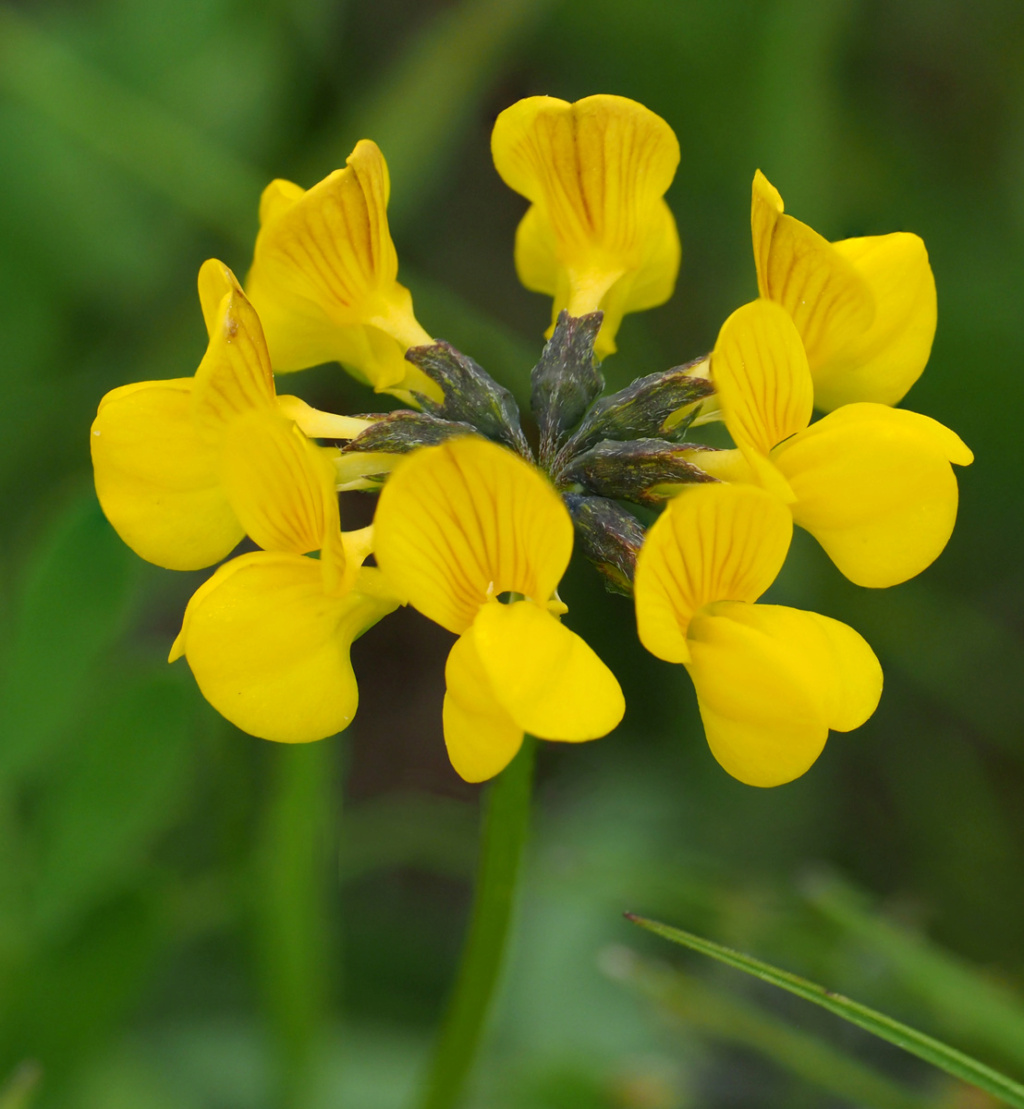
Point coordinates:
pixel 75 602
pixel 117 790
pixel 171 931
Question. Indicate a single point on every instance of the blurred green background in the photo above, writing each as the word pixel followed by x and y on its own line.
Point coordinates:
pixel 193 918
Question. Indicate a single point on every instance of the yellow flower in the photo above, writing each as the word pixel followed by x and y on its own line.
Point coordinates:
pixel 268 635
pixel 324 278
pixel 598 234
pixel 771 681
pixel 872 484
pixel 458 527
pixel 865 307
pixel 157 446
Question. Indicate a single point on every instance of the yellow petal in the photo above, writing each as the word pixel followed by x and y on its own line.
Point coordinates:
pixel 358 545
pixel 318 424
pixel 324 274
pixel 760 373
pixel 650 285
pixel 883 362
pixel 875 487
pixel 481 737
pixel 330 244
pixel 771 682
pixel 270 650
pixel 234 375
pixel 544 675
pixel 595 172
pixel 468 520
pixel 647 287
pixel 723 465
pixel 537 265
pixel 712 543
pixel 277 198
pixel 280 484
pixel 655 279
pixel 158 480
pixel 830 302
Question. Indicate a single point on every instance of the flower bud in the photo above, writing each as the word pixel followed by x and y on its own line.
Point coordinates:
pixel 610 536
pixel 645 408
pixel 471 395
pixel 643 470
pixel 566 380
pixel 403 431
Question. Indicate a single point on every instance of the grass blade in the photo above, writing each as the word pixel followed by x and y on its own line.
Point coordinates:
pixel 892 1031
pixel 732 1020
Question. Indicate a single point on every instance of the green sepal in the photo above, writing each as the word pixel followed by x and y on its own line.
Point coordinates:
pixel 404 430
pixel 644 409
pixel 636 471
pixel 471 395
pixel 610 536
pixel 566 380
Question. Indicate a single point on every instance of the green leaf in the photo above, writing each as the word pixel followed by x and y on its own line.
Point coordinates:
pixel 892 1031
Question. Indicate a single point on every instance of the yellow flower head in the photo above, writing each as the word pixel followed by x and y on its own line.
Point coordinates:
pixel 459 526
pixel 598 234
pixel 771 681
pixel 157 446
pixel 872 484
pixel 268 635
pixel 865 307
pixel 324 277
pixel 476 538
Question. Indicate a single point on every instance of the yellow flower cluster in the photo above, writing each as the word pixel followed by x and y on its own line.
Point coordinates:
pixel 477 537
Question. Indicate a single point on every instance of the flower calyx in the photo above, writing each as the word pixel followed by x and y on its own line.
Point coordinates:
pixel 644 471
pixel 661 405
pixel 471 396
pixel 566 381
pixel 403 430
pixel 595 450
pixel 610 537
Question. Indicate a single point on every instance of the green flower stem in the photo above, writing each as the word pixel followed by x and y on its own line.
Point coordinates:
pixel 294 869
pixel 505 827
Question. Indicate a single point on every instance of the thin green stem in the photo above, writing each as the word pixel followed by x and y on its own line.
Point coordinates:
pixel 295 871
pixel 505 827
